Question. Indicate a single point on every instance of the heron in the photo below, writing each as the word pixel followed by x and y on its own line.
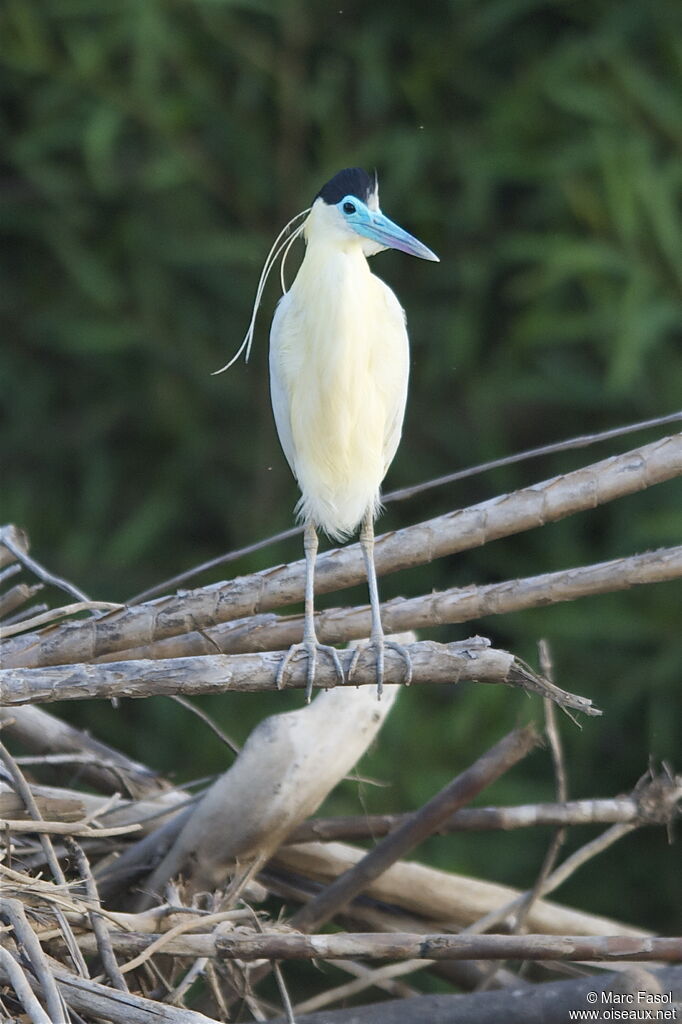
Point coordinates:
pixel 339 368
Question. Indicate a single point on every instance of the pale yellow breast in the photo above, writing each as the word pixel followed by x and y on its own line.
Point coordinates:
pixel 341 351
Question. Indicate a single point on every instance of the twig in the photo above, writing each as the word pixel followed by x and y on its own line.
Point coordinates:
pixel 408 492
pixel 165 941
pixel 99 928
pixel 16 977
pixel 66 828
pixel 461 530
pixel 10 570
pixel 207 720
pixel 13 911
pixel 364 978
pixel 9 539
pixel 560 775
pixel 470 660
pixel 575 812
pixel 553 881
pixel 419 826
pixel 561 790
pixel 16 596
pixel 58 613
pixel 26 613
pixel 24 790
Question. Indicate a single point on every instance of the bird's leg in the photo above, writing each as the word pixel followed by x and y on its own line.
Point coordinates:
pixel 377 639
pixel 310 643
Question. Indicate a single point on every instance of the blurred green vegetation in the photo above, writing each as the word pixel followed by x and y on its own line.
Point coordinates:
pixel 150 153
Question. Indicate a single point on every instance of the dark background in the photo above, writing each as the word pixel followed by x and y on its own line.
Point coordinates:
pixel 151 152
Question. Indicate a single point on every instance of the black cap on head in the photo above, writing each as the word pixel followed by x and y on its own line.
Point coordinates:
pixel 352 181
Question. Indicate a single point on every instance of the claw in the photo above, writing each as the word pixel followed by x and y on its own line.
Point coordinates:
pixel 311 647
pixel 380 644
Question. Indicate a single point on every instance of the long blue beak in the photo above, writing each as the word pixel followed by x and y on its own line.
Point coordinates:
pixel 376 226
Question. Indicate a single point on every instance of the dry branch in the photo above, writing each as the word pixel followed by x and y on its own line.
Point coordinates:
pixel 463 529
pixel 553 1002
pixel 90 997
pixel 283 945
pixel 471 660
pixel 52 614
pixel 16 596
pixel 655 804
pixel 442 896
pixel 416 828
pixel 271 632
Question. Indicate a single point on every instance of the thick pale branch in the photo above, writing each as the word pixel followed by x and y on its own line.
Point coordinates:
pixel 271 632
pixel 463 529
pixel 445 897
pixel 471 660
pixel 288 765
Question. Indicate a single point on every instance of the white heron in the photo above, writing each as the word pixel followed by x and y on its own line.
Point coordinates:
pixel 339 367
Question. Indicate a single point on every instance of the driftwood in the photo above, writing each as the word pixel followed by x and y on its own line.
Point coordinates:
pixel 288 766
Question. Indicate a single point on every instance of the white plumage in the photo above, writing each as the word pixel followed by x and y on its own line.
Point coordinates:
pixel 342 328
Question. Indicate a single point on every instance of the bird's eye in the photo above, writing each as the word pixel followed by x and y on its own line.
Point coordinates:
pixel 349 208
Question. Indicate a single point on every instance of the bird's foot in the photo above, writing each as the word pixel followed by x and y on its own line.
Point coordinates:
pixel 311 647
pixel 379 645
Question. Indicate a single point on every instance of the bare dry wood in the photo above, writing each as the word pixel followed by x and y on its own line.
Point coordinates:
pixel 418 826
pixel 284 945
pixel 471 660
pixel 14 975
pixel 288 766
pixel 656 804
pixel 403 493
pixel 12 910
pixel 528 508
pixel 16 596
pixel 443 896
pixel 13 544
pixel 553 1002
pixel 53 614
pixel 270 632
pixel 66 828
pixel 91 997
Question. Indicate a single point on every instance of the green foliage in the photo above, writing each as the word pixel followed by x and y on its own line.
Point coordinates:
pixel 150 153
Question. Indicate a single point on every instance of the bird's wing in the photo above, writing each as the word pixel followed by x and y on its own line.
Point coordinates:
pixel 279 394
pixel 395 375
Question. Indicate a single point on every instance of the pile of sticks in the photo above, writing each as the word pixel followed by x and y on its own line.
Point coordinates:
pixel 126 898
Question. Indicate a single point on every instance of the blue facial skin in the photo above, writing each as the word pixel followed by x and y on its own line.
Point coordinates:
pixel 378 228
